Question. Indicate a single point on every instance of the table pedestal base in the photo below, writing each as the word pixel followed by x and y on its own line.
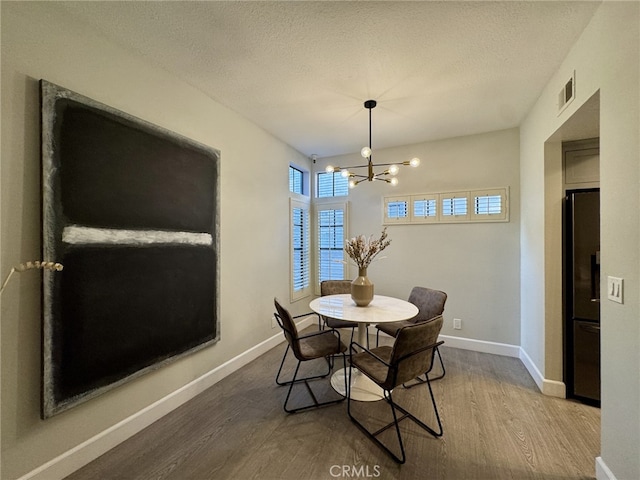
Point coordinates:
pixel 363 388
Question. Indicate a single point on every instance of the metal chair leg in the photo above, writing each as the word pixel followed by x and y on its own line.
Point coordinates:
pixel 441 366
pixel 395 423
pixel 315 403
pixel 420 422
pixel 374 435
pixel 281 365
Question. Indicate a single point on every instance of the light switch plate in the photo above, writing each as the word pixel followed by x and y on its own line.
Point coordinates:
pixel 615 289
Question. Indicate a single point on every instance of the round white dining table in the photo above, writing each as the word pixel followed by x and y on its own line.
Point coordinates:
pixel 382 309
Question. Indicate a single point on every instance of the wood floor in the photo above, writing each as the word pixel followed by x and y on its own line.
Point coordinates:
pixel 496 426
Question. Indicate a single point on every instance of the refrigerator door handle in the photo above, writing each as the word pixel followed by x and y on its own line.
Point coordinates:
pixel 590 328
pixel 595 276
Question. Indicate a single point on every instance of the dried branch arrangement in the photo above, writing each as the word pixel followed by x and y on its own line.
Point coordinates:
pixel 363 250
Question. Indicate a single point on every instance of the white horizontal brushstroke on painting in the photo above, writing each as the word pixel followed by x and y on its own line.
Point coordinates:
pixel 78 235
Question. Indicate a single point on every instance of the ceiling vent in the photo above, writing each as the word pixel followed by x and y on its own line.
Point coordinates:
pixel 567 93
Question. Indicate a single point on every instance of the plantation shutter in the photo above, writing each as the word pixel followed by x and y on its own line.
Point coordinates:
pixel 300 250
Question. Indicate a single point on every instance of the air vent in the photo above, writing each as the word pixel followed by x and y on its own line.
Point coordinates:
pixel 567 93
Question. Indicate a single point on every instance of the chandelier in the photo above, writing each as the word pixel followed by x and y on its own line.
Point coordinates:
pixel 388 175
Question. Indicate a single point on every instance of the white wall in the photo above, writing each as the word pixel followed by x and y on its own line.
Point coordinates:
pixel 605 58
pixel 476 264
pixel 38 41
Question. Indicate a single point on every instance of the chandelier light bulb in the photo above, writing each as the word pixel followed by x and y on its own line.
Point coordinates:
pixel 394 181
pixel 394 169
pixel 352 183
pixel 345 173
pixel 329 169
pixel 414 162
pixel 365 152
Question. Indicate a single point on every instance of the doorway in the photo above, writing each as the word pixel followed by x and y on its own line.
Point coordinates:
pixel 583 124
pixel 581 270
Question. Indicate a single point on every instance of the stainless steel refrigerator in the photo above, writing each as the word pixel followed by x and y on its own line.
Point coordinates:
pixel 582 295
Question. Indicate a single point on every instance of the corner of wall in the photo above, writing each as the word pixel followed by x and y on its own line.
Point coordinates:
pixel 551 388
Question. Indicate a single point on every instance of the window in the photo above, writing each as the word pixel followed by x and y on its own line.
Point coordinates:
pixel 300 250
pixel 332 233
pixel 332 185
pixel 424 208
pixel 396 209
pixel 454 205
pixel 488 205
pixel 491 205
pixel 296 177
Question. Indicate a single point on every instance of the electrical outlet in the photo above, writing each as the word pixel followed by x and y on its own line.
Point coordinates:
pixel 274 322
pixel 457 324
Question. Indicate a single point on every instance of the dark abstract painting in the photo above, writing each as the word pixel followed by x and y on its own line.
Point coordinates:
pixel 132 212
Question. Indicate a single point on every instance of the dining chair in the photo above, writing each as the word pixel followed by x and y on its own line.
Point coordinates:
pixel 430 304
pixel 321 344
pixel 389 366
pixel 320 327
pixel 336 287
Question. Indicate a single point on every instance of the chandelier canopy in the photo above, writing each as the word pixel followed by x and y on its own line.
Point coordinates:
pixel 387 175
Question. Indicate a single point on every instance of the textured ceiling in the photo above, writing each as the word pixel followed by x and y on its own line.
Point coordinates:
pixel 302 70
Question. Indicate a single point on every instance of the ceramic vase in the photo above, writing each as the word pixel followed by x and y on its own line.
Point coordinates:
pixel 362 289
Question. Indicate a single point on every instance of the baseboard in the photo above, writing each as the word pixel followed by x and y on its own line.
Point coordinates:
pixel 483 346
pixel 82 454
pixel 602 471
pixel 552 388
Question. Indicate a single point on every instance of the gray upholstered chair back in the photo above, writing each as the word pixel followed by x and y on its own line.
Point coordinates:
pixel 288 327
pixel 335 287
pixel 410 357
pixel 430 303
